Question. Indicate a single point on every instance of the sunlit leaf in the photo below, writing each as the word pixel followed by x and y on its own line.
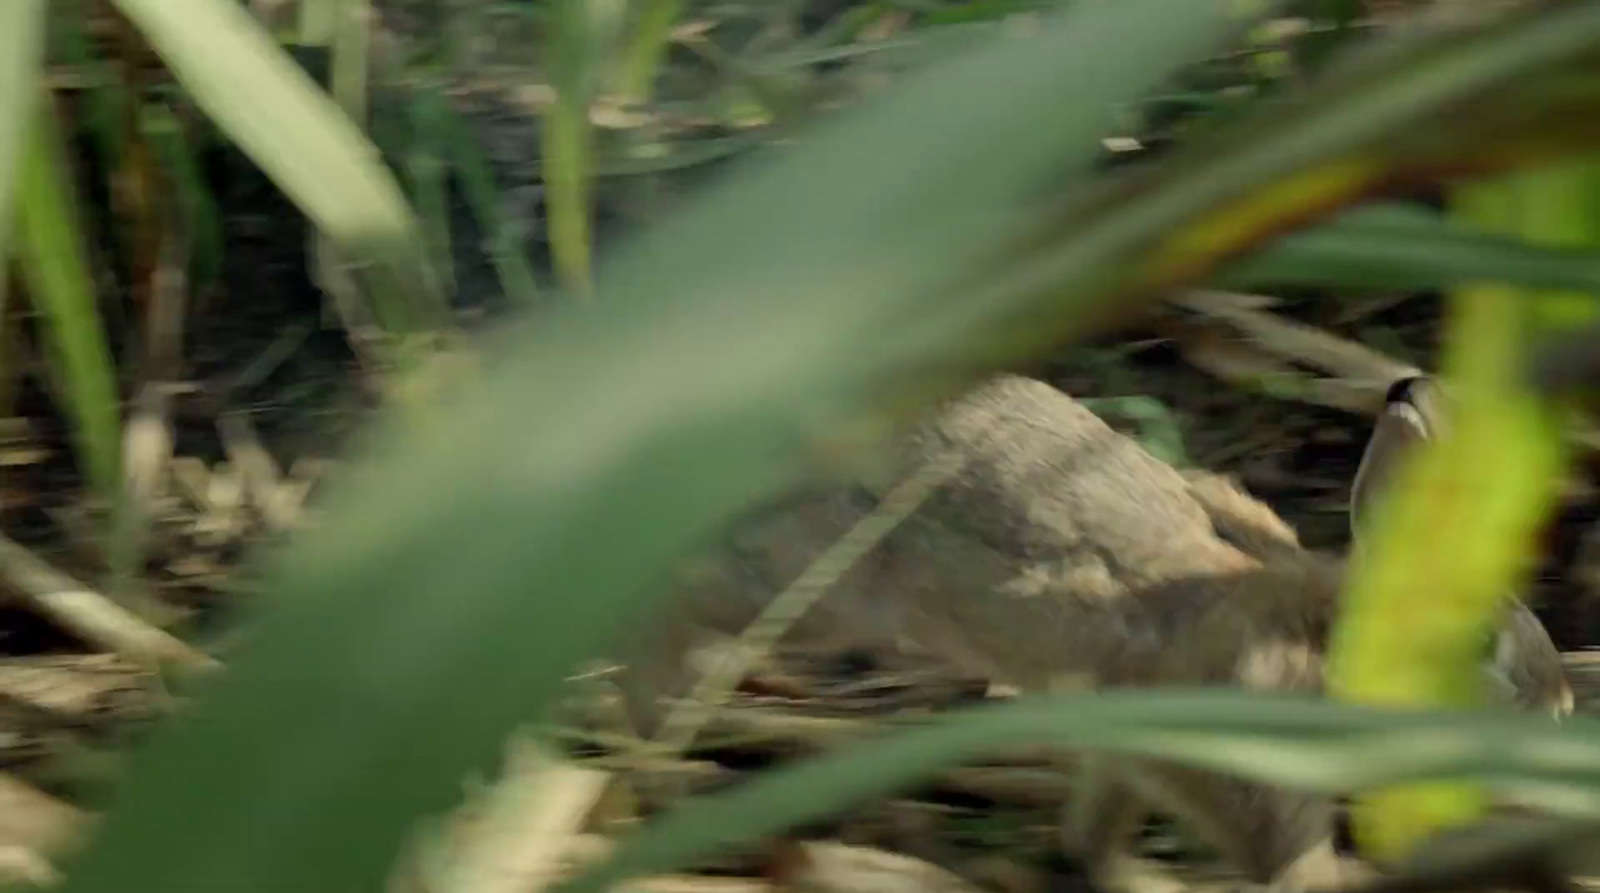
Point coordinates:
pixel 21 49
pixel 267 105
pixel 1451 542
pixel 55 268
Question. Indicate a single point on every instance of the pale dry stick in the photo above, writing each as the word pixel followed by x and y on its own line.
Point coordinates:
pixel 35 830
pixel 169 294
pixel 80 691
pixel 193 481
pixel 1358 385
pixel 257 469
pixel 90 615
pixel 147 448
pixel 684 722
pixel 524 826
pixel 216 495
pixel 290 499
pixel 25 868
pixel 35 820
pixel 1249 365
pixel 147 442
pixel 1337 356
pixel 219 498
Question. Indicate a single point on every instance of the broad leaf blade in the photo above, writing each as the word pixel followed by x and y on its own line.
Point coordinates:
pixel 1273 738
pixel 52 254
pixel 1401 247
pixel 1448 551
pixel 21 51
pixel 266 104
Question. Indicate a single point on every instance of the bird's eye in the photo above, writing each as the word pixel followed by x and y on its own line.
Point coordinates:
pixel 1403 390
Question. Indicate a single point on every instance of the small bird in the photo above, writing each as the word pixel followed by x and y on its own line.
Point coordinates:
pixel 1415 412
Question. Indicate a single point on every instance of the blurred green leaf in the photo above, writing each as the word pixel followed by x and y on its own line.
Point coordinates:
pixel 55 267
pixel 428 174
pixel 449 589
pixel 1451 543
pixel 505 242
pixel 1404 247
pixel 1282 739
pixel 580 46
pixel 267 104
pixel 652 34
pixel 104 99
pixel 983 11
pixel 21 52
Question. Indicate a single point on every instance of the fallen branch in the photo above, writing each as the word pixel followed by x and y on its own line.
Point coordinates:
pixel 91 616
pixel 263 481
pixel 1339 357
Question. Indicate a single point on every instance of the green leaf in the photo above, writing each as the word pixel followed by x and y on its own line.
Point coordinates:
pixel 503 241
pixel 266 104
pixel 21 51
pixel 1281 739
pixel 647 46
pixel 580 48
pixel 61 285
pixel 1450 543
pixel 1403 247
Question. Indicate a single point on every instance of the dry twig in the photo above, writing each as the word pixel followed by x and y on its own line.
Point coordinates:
pixel 90 615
